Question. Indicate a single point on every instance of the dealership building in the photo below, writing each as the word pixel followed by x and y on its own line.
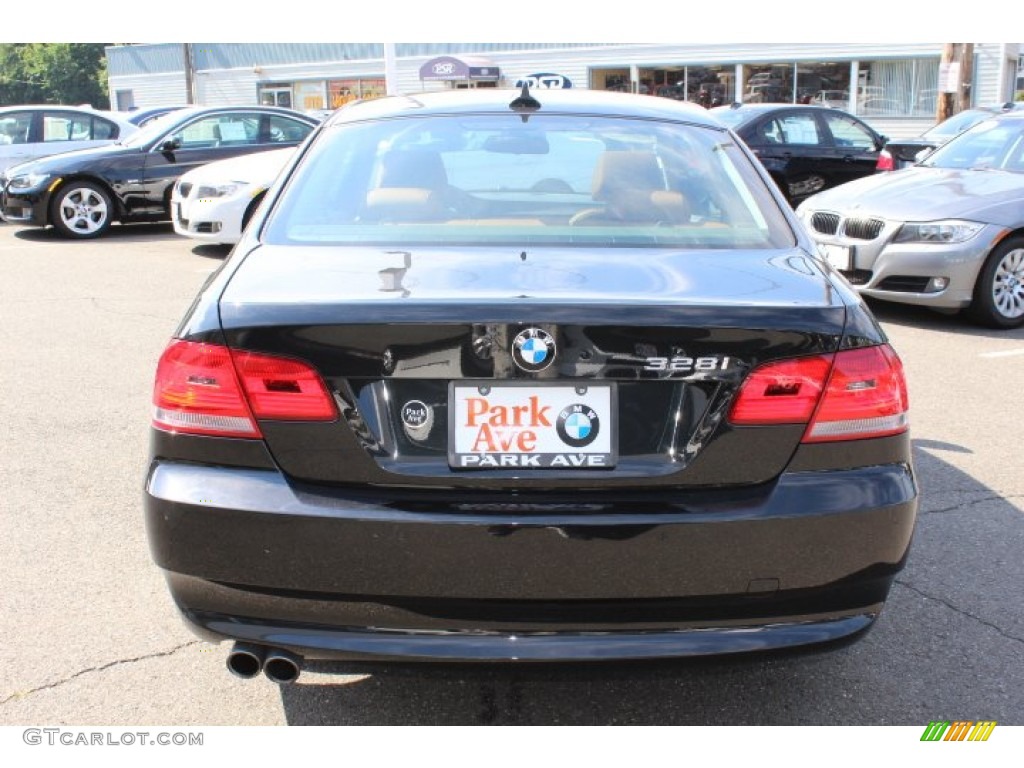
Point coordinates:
pixel 892 86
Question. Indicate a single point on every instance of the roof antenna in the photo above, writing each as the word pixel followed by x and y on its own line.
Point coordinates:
pixel 524 102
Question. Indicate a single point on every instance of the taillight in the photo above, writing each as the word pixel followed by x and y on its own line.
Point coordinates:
pixel 783 392
pixel 281 388
pixel 205 389
pixel 197 391
pixel 885 161
pixel 853 394
pixel 866 396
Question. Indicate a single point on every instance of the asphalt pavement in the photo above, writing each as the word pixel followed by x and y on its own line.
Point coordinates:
pixel 90 635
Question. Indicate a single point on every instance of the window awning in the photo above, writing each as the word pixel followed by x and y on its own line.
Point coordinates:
pixel 462 68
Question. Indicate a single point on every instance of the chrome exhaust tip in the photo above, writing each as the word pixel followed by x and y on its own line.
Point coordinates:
pixel 282 667
pixel 246 661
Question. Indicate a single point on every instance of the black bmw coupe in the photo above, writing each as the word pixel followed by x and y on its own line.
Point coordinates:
pixel 507 376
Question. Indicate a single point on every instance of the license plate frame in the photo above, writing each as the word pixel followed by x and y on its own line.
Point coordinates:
pixel 538 402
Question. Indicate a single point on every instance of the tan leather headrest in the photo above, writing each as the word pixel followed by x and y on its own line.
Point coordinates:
pixel 619 172
pixel 403 204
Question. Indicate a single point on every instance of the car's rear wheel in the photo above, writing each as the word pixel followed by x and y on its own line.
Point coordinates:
pixel 82 210
pixel 999 292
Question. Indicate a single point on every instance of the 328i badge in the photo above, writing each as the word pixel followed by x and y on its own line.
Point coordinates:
pixel 493 376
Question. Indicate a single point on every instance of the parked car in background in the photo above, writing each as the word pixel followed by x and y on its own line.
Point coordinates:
pixel 836 99
pixel 905 152
pixel 141 117
pixel 82 193
pixel 214 202
pixel 30 132
pixel 805 148
pixel 526 377
pixel 947 233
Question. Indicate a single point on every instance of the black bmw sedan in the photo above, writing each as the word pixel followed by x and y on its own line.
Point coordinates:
pixel 496 376
pixel 805 148
pixel 82 193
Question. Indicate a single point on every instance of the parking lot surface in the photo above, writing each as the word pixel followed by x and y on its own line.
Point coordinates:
pixel 90 635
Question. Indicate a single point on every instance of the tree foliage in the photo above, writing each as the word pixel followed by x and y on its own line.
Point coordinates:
pixel 53 73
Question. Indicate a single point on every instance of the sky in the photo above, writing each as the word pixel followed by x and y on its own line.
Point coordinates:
pixel 659 21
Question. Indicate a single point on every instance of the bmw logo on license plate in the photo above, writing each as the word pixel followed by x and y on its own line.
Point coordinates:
pixel 533 349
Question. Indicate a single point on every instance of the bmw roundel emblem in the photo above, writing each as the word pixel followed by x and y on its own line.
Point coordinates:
pixel 578 425
pixel 533 349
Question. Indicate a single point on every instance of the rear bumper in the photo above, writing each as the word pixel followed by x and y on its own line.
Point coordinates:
pixel 329 575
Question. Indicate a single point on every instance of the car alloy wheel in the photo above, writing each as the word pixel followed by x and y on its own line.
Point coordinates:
pixel 999 293
pixel 82 210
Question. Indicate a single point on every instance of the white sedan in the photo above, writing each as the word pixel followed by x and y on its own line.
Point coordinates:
pixel 215 201
pixel 34 131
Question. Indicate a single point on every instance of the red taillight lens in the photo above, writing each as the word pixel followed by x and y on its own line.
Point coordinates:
pixel 783 392
pixel 885 161
pixel 854 394
pixel 205 389
pixel 280 388
pixel 866 396
pixel 196 391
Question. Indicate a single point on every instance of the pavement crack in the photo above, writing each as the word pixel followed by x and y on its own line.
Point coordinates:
pixel 972 503
pixel 961 611
pixel 100 668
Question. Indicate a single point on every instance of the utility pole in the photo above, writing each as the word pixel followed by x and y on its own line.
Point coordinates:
pixel 956 72
pixel 190 86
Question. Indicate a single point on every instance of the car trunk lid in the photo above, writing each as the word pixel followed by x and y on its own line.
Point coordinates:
pixel 529 369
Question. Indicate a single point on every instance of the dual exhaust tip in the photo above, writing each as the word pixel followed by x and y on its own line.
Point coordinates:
pixel 247 661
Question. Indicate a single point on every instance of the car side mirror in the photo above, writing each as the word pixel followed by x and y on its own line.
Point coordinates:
pixel 169 145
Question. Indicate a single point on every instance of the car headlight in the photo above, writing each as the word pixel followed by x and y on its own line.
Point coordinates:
pixel 220 190
pixel 27 181
pixel 951 231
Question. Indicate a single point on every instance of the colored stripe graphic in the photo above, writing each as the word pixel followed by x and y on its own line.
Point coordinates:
pixel 982 730
pixel 958 731
pixel 935 730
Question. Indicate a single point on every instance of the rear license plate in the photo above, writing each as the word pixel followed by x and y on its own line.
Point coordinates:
pixel 839 256
pixel 531 425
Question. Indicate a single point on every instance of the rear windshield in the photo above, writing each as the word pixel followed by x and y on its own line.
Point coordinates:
pixel 955 125
pixel 551 179
pixel 990 145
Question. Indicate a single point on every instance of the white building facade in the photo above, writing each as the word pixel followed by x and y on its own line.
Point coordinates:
pixel 894 87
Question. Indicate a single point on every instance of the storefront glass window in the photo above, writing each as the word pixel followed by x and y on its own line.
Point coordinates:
pixel 768 84
pixel 710 86
pixel 610 80
pixel 897 87
pixel 310 95
pixel 276 95
pixel 886 88
pixel 341 92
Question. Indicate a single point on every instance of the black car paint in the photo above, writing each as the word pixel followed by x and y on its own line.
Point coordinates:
pixel 139 178
pixel 331 537
pixel 803 170
pixel 365 523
